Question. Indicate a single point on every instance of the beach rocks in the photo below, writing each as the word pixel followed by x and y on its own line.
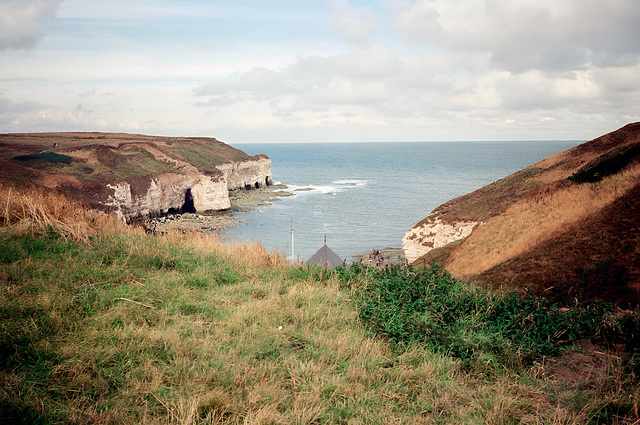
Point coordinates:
pixel 191 222
pixel 240 200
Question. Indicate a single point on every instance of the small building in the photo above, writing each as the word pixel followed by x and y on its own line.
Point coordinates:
pixel 326 258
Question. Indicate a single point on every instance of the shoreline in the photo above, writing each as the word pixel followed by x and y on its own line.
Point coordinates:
pixel 384 257
pixel 212 221
pixel 249 200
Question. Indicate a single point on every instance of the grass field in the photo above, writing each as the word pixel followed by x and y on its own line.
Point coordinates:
pixel 102 323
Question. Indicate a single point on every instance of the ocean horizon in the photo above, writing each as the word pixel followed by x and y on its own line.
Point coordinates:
pixel 365 195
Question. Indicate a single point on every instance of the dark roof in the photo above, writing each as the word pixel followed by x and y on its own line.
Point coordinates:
pixel 326 258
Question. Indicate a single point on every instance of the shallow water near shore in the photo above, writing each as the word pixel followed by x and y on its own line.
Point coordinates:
pixel 365 196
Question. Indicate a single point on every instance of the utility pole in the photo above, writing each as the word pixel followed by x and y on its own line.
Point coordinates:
pixel 293 260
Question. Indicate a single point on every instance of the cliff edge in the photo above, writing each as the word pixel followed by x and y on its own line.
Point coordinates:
pixel 134 175
pixel 566 227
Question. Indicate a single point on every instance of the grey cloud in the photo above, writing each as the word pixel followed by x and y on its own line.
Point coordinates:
pixel 498 62
pixel 523 35
pixel 20 21
pixel 311 83
pixel 11 106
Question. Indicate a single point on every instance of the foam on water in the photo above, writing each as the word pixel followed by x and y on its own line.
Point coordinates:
pixel 334 188
pixel 350 182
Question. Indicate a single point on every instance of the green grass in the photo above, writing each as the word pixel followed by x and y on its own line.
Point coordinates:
pixel 132 162
pixel 206 155
pixel 428 307
pixel 135 329
pixel 607 164
pixel 51 157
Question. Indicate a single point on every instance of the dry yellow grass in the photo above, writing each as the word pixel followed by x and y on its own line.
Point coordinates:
pixel 243 256
pixel 34 209
pixel 532 221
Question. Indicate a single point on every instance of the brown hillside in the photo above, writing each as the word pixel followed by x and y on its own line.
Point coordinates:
pixel 82 164
pixel 566 222
pixel 596 258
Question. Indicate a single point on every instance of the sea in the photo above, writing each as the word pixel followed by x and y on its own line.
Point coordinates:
pixel 365 196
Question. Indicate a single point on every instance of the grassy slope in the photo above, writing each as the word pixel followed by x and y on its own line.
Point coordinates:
pixel 103 324
pixel 606 267
pixel 82 164
pixel 524 238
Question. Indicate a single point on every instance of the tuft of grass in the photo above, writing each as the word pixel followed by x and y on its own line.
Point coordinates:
pixel 36 211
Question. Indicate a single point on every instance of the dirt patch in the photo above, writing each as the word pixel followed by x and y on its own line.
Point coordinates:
pixel 582 365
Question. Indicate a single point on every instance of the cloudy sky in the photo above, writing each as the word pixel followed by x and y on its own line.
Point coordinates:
pixel 321 70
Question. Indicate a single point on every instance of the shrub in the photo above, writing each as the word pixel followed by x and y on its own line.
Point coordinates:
pixel 45 157
pixel 606 165
pixel 427 306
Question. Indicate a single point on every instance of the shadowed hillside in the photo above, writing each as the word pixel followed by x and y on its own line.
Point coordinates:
pixel 565 227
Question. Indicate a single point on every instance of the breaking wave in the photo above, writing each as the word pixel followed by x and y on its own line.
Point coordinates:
pixel 334 188
pixel 350 182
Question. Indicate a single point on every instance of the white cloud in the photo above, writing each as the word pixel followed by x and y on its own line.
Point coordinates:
pixel 8 105
pixel 354 24
pixel 20 21
pixel 310 84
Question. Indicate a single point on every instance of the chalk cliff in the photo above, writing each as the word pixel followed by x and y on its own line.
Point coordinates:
pixel 170 192
pixel 136 176
pixel 433 233
pixel 247 174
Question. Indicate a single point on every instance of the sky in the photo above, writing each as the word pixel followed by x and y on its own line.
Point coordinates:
pixel 256 71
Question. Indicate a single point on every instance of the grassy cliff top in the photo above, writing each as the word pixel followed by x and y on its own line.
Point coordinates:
pixel 83 164
pixel 214 151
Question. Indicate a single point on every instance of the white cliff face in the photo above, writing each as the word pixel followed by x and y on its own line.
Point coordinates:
pixel 174 191
pixel 121 197
pixel 165 192
pixel 247 174
pixel 433 234
pixel 209 194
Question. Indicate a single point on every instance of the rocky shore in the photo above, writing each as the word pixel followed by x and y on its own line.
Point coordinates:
pixel 248 200
pixel 241 200
pixel 382 257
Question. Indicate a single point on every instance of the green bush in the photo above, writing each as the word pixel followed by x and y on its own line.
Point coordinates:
pixel 45 157
pixel 605 165
pixel 429 307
